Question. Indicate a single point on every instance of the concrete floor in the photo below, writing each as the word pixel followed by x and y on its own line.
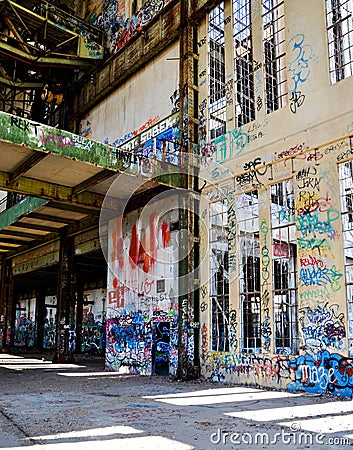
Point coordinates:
pixel 80 406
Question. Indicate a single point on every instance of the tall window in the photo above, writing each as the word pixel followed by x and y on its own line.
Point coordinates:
pixel 217 102
pixel 243 63
pixel 275 77
pixel 340 38
pixel 219 275
pixel 345 171
pixel 284 255
pixel 249 271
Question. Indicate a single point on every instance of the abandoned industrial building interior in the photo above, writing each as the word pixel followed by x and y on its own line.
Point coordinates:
pixel 177 187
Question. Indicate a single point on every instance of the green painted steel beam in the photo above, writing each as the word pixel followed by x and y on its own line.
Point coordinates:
pixel 21 85
pixel 17 53
pixel 50 191
pixel 21 209
pixel 36 263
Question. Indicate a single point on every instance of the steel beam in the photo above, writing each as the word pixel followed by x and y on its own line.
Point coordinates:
pixel 50 191
pixel 101 176
pixel 74 208
pixel 33 226
pixel 49 218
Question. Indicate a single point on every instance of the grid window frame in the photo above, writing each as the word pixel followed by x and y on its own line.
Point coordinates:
pixel 339 22
pixel 249 271
pixel 245 109
pixel 345 178
pixel 274 54
pixel 284 268
pixel 219 270
pixel 216 72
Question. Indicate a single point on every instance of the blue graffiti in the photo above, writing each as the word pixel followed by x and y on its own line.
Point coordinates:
pixel 309 223
pixel 324 373
pixel 238 140
pixel 299 66
pixel 128 343
pixel 320 276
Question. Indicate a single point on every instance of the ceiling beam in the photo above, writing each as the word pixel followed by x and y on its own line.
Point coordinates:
pixel 50 218
pixel 10 241
pixel 74 208
pixel 33 226
pixel 26 166
pixel 101 176
pixel 21 234
pixel 51 191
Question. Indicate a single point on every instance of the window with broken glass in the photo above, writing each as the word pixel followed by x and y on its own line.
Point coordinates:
pixel 340 39
pixel 284 254
pixel 275 74
pixel 345 171
pixel 217 94
pixel 219 275
pixel 249 271
pixel 243 63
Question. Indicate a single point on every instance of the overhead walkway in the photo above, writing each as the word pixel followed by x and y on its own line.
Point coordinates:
pixel 65 178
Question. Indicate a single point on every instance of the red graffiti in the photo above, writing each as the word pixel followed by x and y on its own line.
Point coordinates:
pixel 117 295
pixel 58 140
pixel 280 249
pixel 165 234
pixel 134 247
pixel 144 250
pixel 143 256
pixel 311 261
pixel 153 240
pixel 117 251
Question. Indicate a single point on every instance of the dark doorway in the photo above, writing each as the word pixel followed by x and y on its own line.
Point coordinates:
pixel 161 347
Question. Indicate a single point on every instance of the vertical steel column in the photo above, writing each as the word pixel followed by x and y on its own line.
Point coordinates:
pixel 188 350
pixel 79 314
pixel 6 304
pixel 64 313
pixel 40 318
pixel 2 303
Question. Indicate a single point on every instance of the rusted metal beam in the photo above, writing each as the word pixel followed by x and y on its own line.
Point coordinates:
pixel 32 226
pixel 50 218
pixel 101 176
pixel 74 208
pixel 50 191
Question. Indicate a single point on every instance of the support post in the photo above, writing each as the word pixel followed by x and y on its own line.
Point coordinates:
pixel 188 329
pixel 65 303
pixel 79 314
pixel 6 305
pixel 40 318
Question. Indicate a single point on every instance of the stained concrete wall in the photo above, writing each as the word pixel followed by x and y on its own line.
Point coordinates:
pixel 147 98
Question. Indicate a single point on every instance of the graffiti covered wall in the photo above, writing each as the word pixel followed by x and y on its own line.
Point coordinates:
pixel 286 177
pixel 142 303
pixel 118 22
